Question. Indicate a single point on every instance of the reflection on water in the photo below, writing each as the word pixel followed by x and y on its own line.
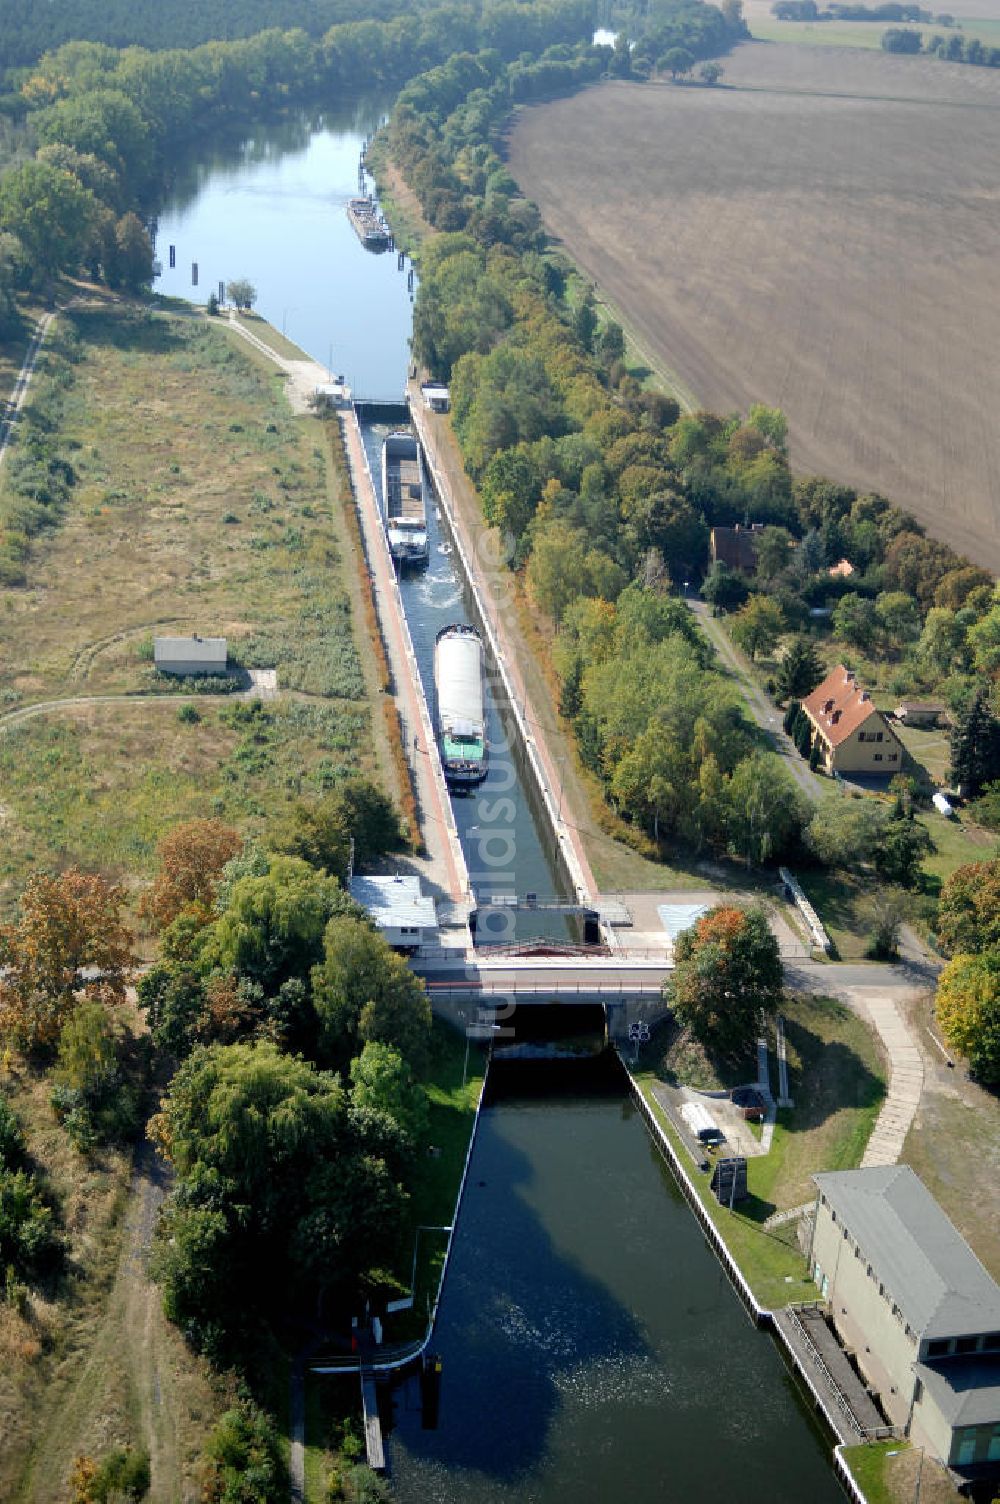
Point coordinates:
pixel 270 207
pixel 593 1349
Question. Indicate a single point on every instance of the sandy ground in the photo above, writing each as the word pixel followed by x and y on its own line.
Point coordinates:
pixel 819 234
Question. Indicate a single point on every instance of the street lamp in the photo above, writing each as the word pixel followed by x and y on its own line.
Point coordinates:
pixel 284 318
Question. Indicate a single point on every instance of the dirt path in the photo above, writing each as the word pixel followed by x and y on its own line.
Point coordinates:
pixel 304 376
pixel 8 423
pixel 44 707
pixel 757 702
pixel 134 1379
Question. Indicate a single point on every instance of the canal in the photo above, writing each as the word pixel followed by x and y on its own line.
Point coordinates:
pixel 593 1349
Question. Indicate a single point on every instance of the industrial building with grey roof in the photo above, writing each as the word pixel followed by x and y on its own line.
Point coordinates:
pixel 916 1310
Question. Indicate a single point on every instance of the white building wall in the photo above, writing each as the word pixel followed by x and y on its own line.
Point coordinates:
pixel 863 1316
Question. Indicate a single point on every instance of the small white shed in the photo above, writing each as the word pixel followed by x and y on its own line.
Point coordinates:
pixel 436 396
pixel 190 655
pixel 404 914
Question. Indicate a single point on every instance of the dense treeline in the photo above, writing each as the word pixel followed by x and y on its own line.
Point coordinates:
pixel 29 28
pixel 953 48
pixel 106 120
pixel 300 1038
pixel 657 27
pixel 808 10
pixel 606 493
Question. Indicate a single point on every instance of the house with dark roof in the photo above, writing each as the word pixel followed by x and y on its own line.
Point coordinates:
pixel 915 1308
pixel 853 737
pixel 735 546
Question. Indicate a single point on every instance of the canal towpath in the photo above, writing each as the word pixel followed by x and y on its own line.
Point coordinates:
pixel 304 375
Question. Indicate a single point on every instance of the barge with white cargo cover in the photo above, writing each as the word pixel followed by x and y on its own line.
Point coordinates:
pixel 404 499
pixel 458 684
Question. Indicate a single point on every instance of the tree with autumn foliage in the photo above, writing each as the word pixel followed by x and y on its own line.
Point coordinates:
pixel 69 941
pixel 728 974
pixel 191 859
pixel 967 1005
pixel 969 909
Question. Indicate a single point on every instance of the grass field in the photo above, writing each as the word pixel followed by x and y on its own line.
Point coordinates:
pixel 837 1082
pixel 838 265
pixel 765 28
pixel 955 1134
pixel 200 504
pixel 893 1472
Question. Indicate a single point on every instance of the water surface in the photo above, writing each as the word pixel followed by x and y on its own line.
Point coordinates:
pixel 271 207
pixel 593 1348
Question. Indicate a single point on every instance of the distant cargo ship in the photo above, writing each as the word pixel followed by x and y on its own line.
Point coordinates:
pixel 458 683
pixel 404 499
pixel 369 226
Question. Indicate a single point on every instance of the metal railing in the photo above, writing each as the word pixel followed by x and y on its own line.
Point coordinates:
pixel 867 1433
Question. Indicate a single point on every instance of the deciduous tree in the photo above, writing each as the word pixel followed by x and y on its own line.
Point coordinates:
pixel 854 621
pixel 968 919
pixel 677 60
pixel 728 974
pixel 282 1190
pixel 382 1080
pixel 50 212
pixel 272 928
pixel 758 626
pixel 70 941
pixel 363 990
pixel 191 858
pixel 763 810
pixel 242 293
pixel 968 1009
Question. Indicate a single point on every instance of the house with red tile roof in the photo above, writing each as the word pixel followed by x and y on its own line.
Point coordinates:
pixel 853 737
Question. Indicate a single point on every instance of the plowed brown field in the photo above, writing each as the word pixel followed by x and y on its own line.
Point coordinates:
pixel 821 234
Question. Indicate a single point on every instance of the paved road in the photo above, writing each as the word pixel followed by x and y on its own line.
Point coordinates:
pixel 763 711
pixel 567 976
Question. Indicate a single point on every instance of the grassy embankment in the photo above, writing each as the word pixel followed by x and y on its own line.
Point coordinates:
pixel 888 1473
pixel 836 1082
pixel 331 1403
pixel 200 504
